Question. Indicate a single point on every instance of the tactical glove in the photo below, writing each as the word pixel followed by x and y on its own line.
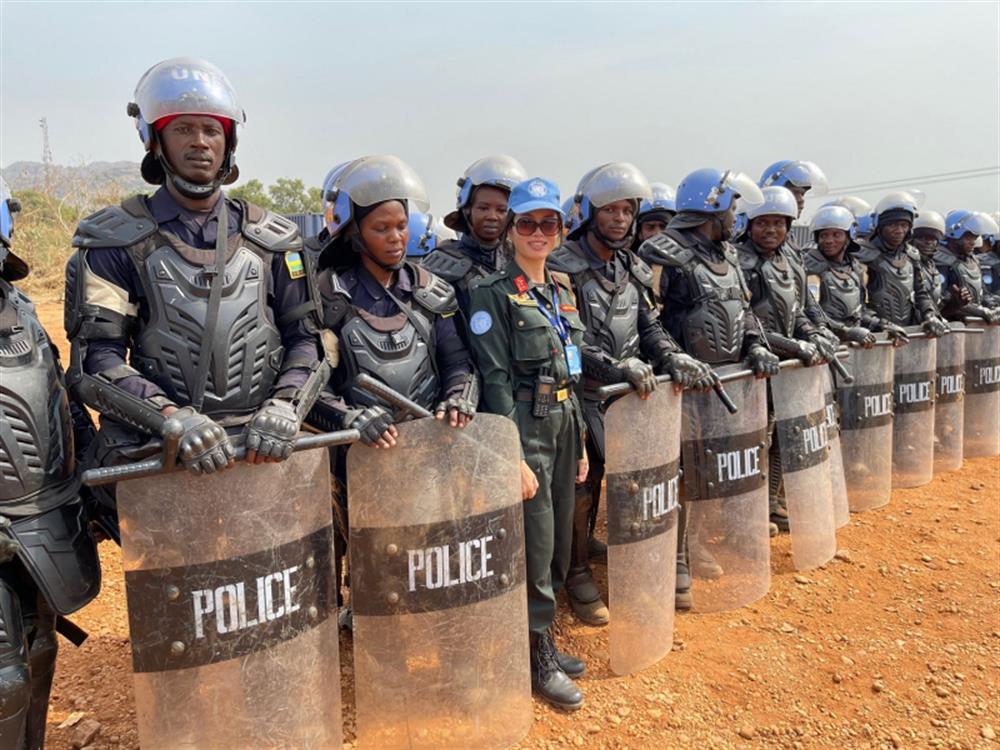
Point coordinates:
pixel 271 432
pixel 895 332
pixel 809 353
pixel 935 327
pixel 688 371
pixel 371 422
pixel 859 335
pixel 761 361
pixel 824 347
pixel 639 374
pixel 204 447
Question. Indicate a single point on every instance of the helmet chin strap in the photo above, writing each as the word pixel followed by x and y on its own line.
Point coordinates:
pixel 194 190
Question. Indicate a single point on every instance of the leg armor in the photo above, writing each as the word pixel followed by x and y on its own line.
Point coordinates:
pixel 15 686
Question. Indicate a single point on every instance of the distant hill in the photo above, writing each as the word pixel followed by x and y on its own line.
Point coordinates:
pixel 97 177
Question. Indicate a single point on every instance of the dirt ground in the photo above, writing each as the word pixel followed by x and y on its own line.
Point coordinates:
pixel 895 644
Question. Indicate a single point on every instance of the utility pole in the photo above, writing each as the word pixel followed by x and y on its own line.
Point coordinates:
pixel 46 155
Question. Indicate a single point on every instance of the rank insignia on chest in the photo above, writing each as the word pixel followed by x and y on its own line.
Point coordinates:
pixel 293 262
pixel 523 299
pixel 521 283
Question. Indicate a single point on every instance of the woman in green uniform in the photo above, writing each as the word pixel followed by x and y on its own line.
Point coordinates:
pixel 527 335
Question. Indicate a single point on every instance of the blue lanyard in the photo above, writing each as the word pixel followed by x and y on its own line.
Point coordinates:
pixel 555 319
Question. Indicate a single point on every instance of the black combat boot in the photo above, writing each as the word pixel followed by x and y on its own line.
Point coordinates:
pixel 777 505
pixel 571 665
pixel 548 680
pixel 596 549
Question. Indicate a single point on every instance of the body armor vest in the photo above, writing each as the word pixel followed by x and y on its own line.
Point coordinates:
pixel 609 309
pixel 36 436
pixel 779 303
pixel 245 351
pixel 841 294
pixel 891 283
pixel 398 350
pixel 966 268
pixel 989 265
pixel 931 278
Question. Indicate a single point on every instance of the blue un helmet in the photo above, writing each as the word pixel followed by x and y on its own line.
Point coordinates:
pixel 12 268
pixel 426 233
pixel 801 174
pixel 662 205
pixel 961 222
pixel 713 191
pixel 501 172
pixel 185 86
pixel 778 201
pixel 615 181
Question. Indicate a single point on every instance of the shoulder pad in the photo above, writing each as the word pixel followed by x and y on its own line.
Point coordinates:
pixel 447 262
pixel 273 232
pixel 567 259
pixel 640 270
pixel 113 227
pixel 988 260
pixel 867 253
pixel 815 261
pixel 433 293
pixel 335 300
pixel 663 250
pixel 942 258
pixel 913 253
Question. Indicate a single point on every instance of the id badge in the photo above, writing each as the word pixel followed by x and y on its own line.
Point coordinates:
pixel 573 359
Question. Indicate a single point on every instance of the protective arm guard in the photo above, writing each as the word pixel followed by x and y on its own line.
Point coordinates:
pixel 328 412
pixel 599 366
pixel 302 399
pixel 465 398
pixel 100 392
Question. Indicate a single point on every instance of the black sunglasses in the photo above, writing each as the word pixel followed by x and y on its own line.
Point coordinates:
pixel 526 226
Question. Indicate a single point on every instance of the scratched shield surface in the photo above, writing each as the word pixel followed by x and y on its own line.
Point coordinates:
pixel 802 432
pixel 838 485
pixel 913 394
pixel 725 487
pixel 232 617
pixel 866 427
pixel 949 404
pixel 642 444
pixel 438 588
pixel 982 391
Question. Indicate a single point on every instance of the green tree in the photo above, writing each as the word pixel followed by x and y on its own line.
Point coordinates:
pixel 253 192
pixel 291 197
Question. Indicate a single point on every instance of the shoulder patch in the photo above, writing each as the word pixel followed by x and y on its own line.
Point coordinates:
pixel 293 262
pixel 112 227
pixel 480 322
pixel 273 232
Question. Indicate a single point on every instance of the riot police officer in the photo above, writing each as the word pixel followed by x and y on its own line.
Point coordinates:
pixel 896 290
pixel 48 558
pixel 799 178
pixel 624 339
pixel 187 304
pixel 777 283
pixel 705 299
pixel 527 334
pixel 479 218
pixel 962 280
pixel 655 213
pixel 389 317
pixel 839 279
pixel 928 233
pixel 989 262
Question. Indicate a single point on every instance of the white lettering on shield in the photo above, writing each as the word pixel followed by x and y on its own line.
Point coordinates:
pixel 272 596
pixel 950 384
pixel 878 405
pixel 431 568
pixel 659 499
pixel 814 438
pixel 734 465
pixel 989 375
pixel 914 393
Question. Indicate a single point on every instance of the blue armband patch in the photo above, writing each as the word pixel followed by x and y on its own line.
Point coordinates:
pixel 480 322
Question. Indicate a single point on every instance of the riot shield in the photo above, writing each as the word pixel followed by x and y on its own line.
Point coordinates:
pixel 438 588
pixel 801 430
pixel 231 605
pixel 982 391
pixel 838 485
pixel 642 463
pixel 866 427
pixel 949 409
pixel 725 486
pixel 913 412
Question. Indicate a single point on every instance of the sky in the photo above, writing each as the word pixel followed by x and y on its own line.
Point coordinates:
pixel 869 91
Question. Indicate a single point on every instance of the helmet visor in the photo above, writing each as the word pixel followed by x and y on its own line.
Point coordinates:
pixel 186 86
pixel 748 191
pixel 614 182
pixel 976 222
pixel 374 179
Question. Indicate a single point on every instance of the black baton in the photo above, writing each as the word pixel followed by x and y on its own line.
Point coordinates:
pixel 397 399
